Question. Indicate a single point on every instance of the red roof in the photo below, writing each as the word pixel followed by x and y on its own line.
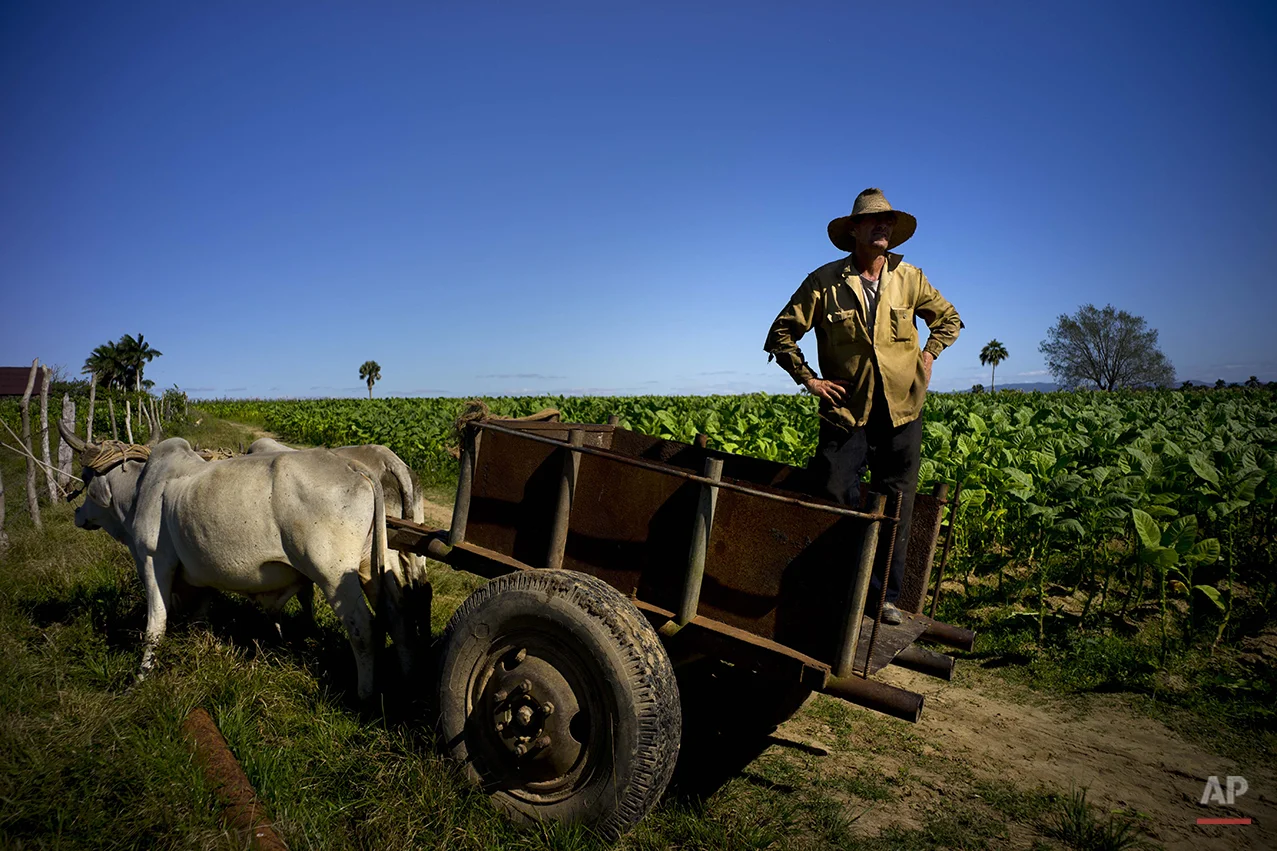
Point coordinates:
pixel 13 380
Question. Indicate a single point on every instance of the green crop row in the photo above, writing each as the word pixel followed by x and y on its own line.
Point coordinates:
pixel 1136 499
pixel 1155 504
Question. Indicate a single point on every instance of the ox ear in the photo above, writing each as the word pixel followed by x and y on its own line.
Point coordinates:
pixel 69 436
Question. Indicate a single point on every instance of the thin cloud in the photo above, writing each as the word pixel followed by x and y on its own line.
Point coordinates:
pixel 525 376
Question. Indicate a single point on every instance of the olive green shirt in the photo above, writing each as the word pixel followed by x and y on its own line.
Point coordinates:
pixel 832 301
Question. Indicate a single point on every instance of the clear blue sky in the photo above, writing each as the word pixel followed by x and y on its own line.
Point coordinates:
pixel 494 198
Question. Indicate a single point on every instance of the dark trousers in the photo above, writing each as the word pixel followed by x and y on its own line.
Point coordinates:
pixel 892 455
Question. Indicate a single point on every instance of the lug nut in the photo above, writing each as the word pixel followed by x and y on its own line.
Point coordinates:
pixel 500 726
pixel 520 655
pixel 547 708
pixel 500 696
pixel 526 685
pixel 520 749
pixel 543 742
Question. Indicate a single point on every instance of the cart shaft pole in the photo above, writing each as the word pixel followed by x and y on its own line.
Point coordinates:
pixel 567 490
pixel 850 637
pixel 465 485
pixel 704 523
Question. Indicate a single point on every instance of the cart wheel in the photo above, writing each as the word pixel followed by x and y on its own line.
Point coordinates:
pixel 557 696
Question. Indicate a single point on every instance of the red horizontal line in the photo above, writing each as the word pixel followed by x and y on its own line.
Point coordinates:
pixel 1223 821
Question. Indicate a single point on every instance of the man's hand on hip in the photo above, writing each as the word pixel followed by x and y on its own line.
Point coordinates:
pixel 831 391
pixel 927 360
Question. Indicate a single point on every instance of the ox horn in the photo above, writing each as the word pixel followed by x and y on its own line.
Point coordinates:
pixel 69 436
pixel 157 433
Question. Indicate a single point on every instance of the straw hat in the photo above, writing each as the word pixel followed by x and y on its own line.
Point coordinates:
pixel 868 203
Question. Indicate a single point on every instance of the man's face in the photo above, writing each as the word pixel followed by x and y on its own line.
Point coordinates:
pixel 874 230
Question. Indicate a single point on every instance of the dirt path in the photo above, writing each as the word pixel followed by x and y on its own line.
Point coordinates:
pixel 978 728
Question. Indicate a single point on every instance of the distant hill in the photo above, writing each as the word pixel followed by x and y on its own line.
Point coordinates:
pixel 1024 387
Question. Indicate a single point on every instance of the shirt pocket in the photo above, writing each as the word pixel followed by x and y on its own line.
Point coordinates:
pixel 846 324
pixel 902 327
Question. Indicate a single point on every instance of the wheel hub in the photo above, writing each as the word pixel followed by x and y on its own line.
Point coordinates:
pixel 533 710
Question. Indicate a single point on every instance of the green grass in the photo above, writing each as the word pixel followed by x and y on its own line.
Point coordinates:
pixel 89 759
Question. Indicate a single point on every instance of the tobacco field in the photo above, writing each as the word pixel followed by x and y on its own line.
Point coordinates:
pixel 1109 521
pixel 1115 553
pixel 1115 509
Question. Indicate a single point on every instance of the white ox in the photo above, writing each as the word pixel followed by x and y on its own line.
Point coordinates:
pixel 403 499
pixel 265 526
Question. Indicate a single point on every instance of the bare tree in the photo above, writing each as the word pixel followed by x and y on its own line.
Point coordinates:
pixel 65 453
pixel 50 483
pixel 1108 348
pixel 33 504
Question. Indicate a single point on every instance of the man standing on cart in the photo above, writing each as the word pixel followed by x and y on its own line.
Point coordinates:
pixel 873 375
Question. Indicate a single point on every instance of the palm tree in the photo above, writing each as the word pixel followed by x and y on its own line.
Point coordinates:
pixel 371 373
pixel 994 353
pixel 136 355
pixel 108 363
pixel 1252 382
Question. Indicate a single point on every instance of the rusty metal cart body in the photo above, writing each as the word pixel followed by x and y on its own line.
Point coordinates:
pixel 724 556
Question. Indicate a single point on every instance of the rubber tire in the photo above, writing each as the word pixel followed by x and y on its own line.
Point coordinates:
pixel 617 648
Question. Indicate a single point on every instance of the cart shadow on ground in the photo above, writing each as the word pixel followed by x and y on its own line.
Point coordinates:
pixel 729 719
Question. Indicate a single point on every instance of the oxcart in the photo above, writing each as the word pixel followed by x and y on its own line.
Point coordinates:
pixel 617 559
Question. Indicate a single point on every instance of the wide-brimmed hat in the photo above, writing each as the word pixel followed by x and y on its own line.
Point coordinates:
pixel 868 203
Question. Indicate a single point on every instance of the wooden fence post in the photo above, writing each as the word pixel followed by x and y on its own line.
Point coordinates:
pixel 33 504
pixel 49 482
pixel 115 430
pixel 65 452
pixel 93 394
pixel 128 420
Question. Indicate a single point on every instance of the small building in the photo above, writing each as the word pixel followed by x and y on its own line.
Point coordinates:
pixel 13 381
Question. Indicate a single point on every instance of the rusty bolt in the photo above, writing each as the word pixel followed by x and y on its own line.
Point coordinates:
pixel 500 696
pixel 500 726
pixel 520 749
pixel 547 708
pixel 526 685
pixel 524 715
pixel 543 742
pixel 520 655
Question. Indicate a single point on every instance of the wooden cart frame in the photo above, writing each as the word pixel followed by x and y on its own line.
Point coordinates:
pixel 724 555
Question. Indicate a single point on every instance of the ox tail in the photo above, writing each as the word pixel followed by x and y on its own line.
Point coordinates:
pixel 389 584
pixel 380 541
pixel 413 510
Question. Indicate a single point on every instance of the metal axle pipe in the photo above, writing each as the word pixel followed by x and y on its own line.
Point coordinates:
pixel 880 697
pixel 951 636
pixel 925 661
